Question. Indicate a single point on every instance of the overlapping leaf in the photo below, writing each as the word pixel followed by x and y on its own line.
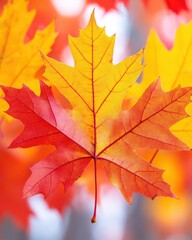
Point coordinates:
pixel 176 69
pixel 19 61
pixel 96 129
pixel 173 67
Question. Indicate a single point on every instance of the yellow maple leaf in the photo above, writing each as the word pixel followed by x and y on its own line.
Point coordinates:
pixel 94 73
pixel 19 62
pixel 172 66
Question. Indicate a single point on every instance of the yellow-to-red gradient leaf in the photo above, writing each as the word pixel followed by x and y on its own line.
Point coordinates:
pixel 20 61
pixel 47 123
pixel 96 129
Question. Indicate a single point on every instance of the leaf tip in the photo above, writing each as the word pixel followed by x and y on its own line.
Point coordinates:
pixel 93 13
pixel 153 198
pixel 92 17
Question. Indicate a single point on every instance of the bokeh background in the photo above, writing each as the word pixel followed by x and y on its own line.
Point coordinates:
pixel 67 217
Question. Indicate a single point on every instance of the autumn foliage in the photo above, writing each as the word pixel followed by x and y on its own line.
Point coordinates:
pixel 112 116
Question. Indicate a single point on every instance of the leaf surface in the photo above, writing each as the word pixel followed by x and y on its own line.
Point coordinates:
pixel 95 86
pixel 147 123
pixel 96 129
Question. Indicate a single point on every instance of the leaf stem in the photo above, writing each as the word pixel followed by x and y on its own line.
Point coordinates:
pixel 154 155
pixel 94 218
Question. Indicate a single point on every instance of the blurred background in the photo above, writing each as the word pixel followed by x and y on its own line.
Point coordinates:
pixel 67 217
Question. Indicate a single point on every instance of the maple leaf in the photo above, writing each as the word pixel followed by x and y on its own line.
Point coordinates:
pixel 20 61
pixel 96 129
pixel 176 70
pixel 173 67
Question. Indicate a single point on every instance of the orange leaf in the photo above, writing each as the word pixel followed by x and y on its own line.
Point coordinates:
pixel 147 123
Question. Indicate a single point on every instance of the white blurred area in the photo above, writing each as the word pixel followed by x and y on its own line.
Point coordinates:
pixel 47 223
pixel 69 8
pixel 111 215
